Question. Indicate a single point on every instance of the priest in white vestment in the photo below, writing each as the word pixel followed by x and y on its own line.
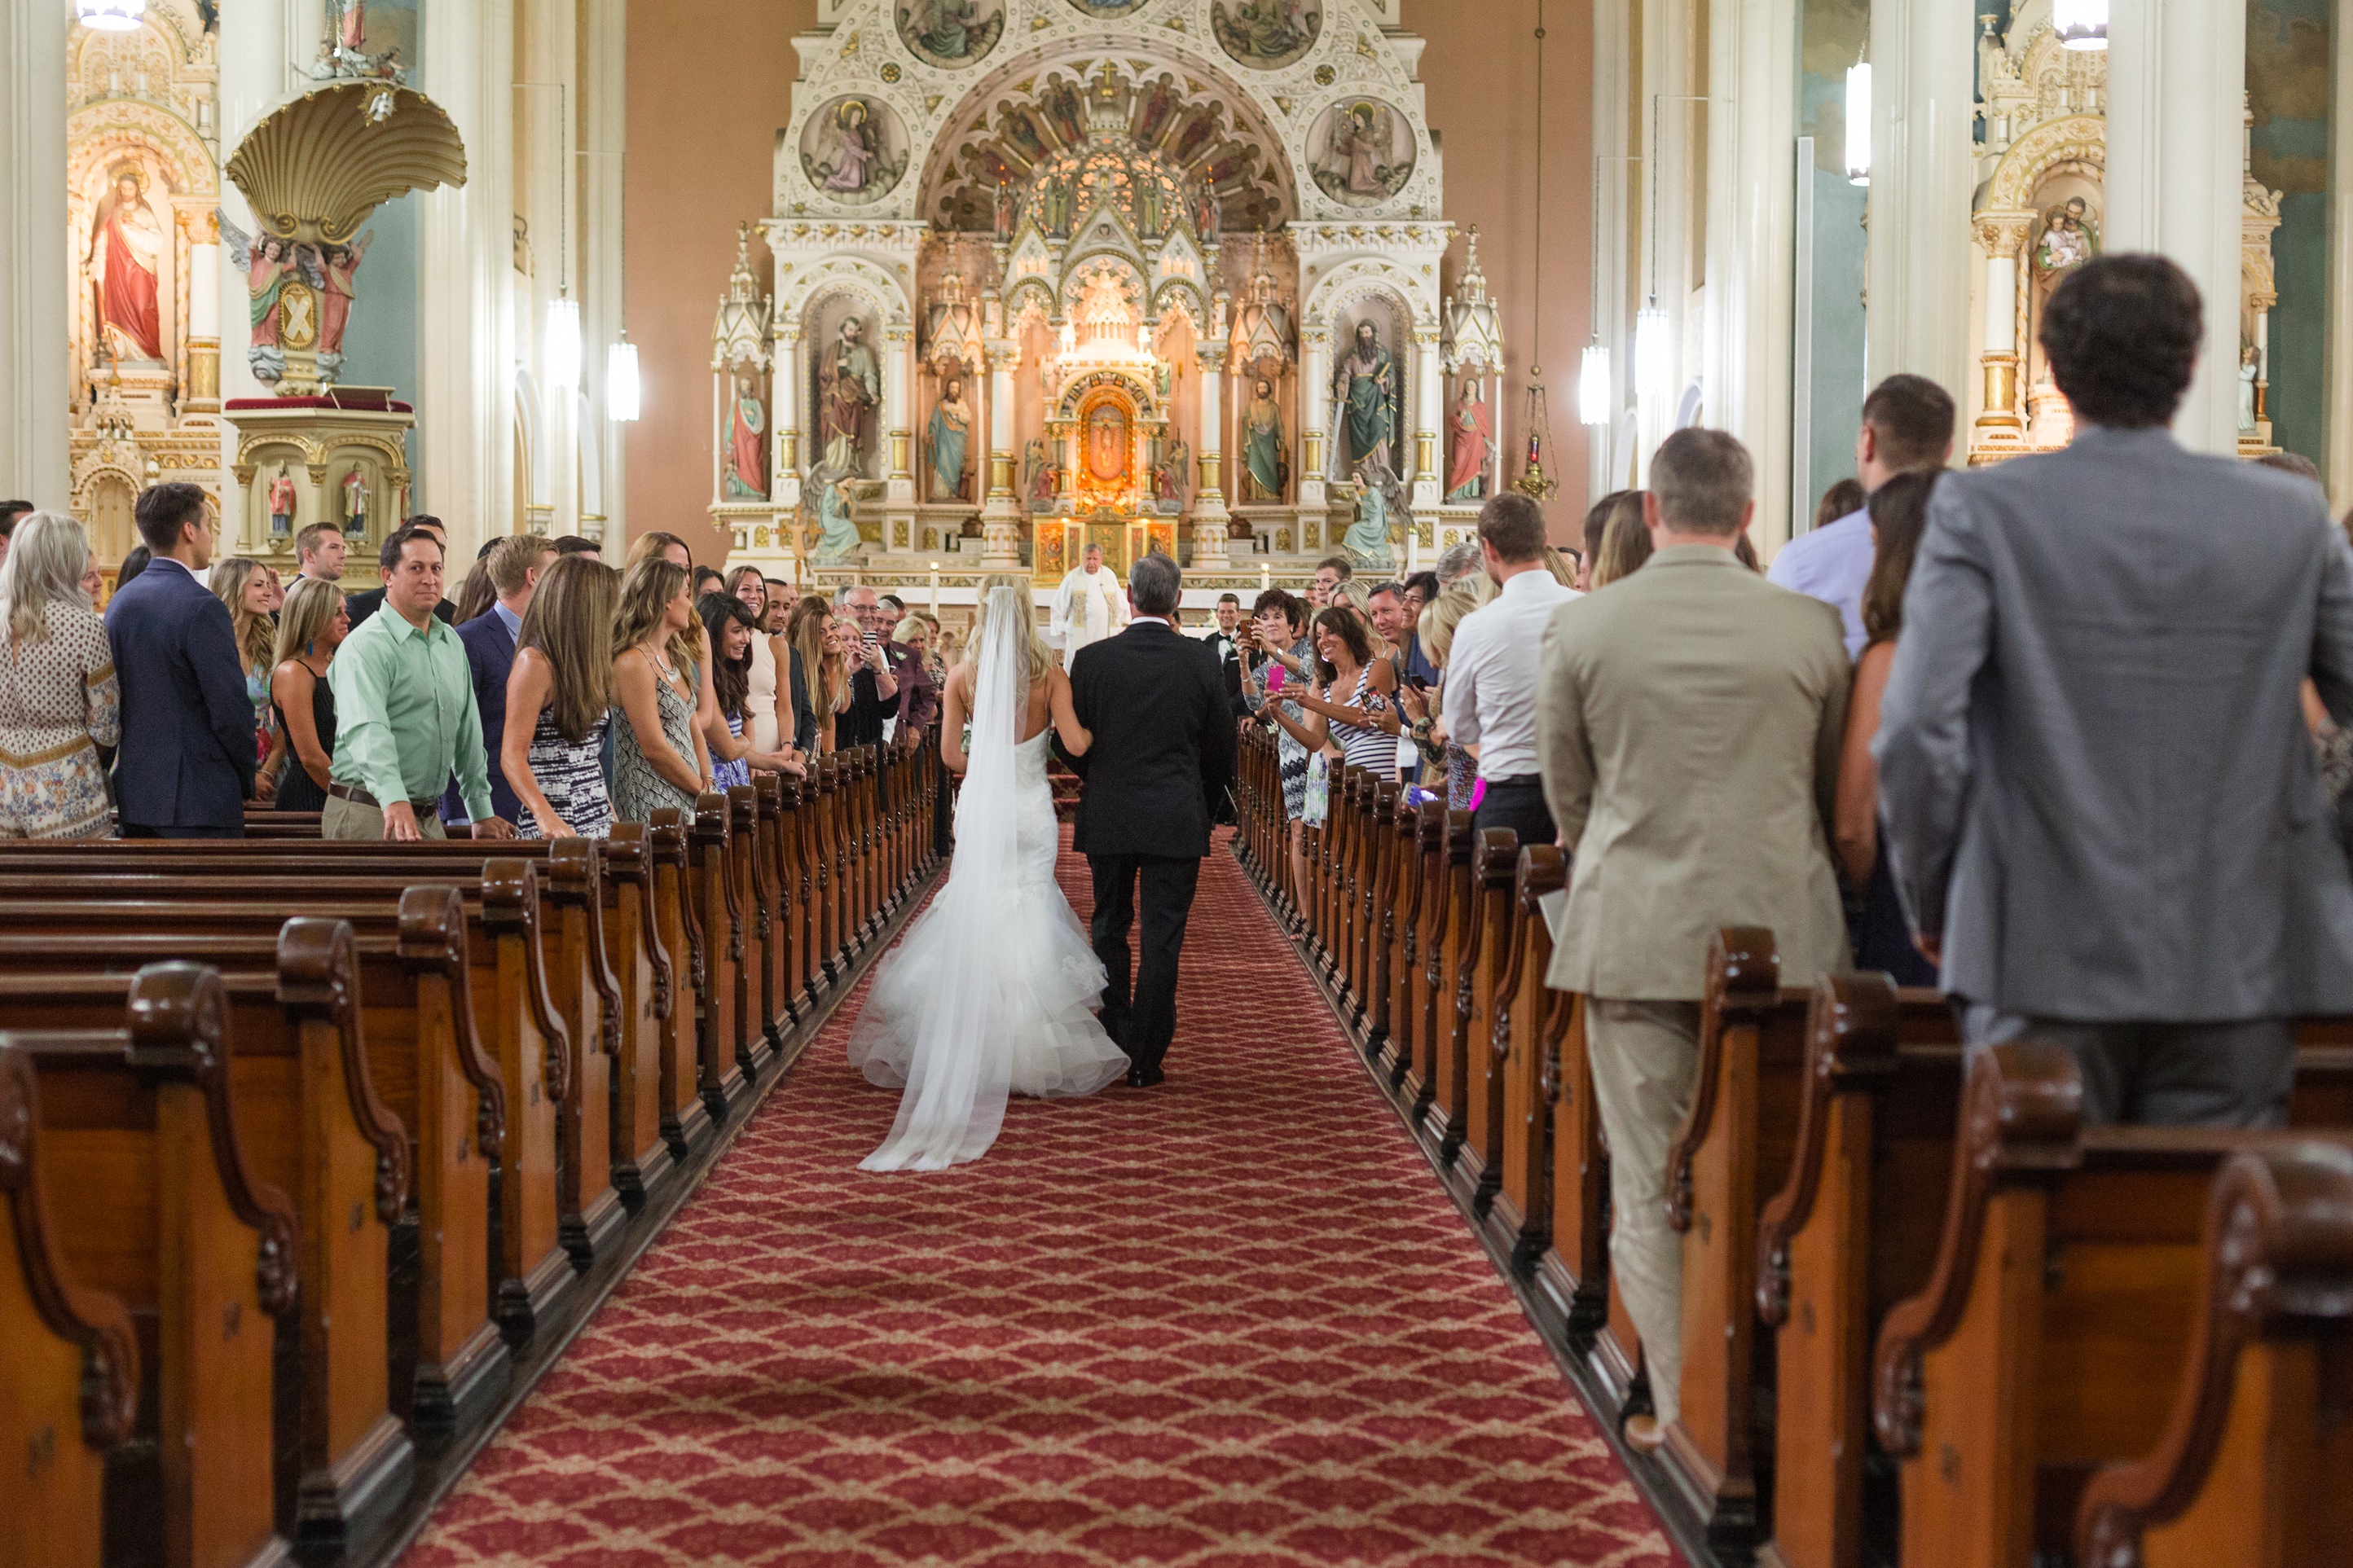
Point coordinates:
pixel 1090 606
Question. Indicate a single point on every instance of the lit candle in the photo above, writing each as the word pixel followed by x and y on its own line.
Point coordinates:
pixel 1265 576
pixel 935 587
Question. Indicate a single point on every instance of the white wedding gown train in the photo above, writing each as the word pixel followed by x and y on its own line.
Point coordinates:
pixel 990 992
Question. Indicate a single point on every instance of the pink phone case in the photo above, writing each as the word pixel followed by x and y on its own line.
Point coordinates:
pixel 1274 678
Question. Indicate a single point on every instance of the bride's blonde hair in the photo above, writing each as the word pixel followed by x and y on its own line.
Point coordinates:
pixel 1035 655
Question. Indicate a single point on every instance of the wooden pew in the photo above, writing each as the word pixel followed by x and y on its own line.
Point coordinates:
pixel 1519 1215
pixel 2052 1336
pixel 71 1386
pixel 1373 926
pixel 1443 1120
pixel 1476 1175
pixel 722 1044
pixel 311 1127
pixel 1400 913
pixel 513 1012
pixel 1420 1085
pixel 426 1064
pixel 2257 1448
pixel 154 1203
pixel 686 1119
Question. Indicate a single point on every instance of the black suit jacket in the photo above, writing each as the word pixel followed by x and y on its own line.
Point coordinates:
pixel 360 606
pixel 1164 742
pixel 491 654
pixel 1233 664
pixel 188 755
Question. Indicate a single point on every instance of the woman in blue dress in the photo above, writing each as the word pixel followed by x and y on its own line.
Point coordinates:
pixel 731 627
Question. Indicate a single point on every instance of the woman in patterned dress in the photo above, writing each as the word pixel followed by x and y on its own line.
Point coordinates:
pixel 1364 725
pixel 658 755
pixel 244 585
pixel 559 702
pixel 731 629
pixel 59 700
pixel 1278 629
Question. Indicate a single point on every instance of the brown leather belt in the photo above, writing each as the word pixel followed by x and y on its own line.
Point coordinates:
pixel 361 797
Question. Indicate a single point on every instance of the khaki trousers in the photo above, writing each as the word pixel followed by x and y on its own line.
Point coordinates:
pixel 1644 1056
pixel 341 818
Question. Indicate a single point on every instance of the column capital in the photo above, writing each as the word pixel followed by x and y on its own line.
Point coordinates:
pixel 2001 233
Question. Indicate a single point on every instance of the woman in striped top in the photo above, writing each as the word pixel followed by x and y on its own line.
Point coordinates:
pixel 1364 723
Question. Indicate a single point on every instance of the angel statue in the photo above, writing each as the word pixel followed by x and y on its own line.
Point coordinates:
pixel 837 536
pixel 1381 504
pixel 853 149
pixel 269 265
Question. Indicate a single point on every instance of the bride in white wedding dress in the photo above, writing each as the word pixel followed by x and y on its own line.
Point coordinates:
pixel 989 993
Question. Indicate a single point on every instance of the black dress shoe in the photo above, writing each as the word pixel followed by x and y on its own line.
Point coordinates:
pixel 1142 1076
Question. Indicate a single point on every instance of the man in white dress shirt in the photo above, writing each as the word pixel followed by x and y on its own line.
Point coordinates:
pixel 1089 607
pixel 1491 678
pixel 1907 424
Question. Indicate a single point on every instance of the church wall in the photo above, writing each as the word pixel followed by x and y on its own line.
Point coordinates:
pixel 2288 89
pixel 708 84
pixel 1480 73
pixel 1832 35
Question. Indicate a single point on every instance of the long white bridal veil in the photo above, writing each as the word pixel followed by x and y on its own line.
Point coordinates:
pixel 947 1022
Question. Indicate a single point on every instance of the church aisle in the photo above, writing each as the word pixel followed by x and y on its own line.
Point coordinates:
pixel 1232 1320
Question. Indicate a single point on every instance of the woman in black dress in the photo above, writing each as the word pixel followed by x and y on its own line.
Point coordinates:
pixel 311 626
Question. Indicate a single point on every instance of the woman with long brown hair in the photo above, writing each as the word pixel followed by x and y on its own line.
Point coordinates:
pixel 658 754
pixel 823 668
pixel 559 702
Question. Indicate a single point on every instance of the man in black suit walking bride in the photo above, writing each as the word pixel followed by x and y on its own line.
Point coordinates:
pixel 1161 758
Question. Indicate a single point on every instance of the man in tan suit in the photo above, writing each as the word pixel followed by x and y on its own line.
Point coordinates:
pixel 1688 723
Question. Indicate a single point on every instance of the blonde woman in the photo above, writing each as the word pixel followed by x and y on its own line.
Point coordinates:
pixel 991 991
pixel 1625 540
pixel 660 756
pixel 59 700
pixel 244 586
pixel 559 702
pixel 1426 725
pixel 310 629
pixel 824 679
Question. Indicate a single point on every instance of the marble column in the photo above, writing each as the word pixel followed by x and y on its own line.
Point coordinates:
pixel 604 102
pixel 35 376
pixel 1314 395
pixel 1923 101
pixel 785 384
pixel 465 305
pixel 201 392
pixel 1669 266
pixel 548 105
pixel 1751 237
pixel 1000 513
pixel 1616 89
pixel 1429 417
pixel 2336 374
pixel 898 415
pixel 2176 72
pixel 2001 423
pixel 1209 514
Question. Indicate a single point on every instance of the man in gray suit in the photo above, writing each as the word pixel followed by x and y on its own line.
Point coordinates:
pixel 1688 723
pixel 2099 795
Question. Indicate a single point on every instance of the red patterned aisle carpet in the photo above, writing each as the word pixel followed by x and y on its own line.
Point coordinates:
pixel 1230 1321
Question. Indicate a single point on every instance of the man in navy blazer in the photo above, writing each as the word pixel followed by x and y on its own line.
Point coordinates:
pixel 187 760
pixel 515 563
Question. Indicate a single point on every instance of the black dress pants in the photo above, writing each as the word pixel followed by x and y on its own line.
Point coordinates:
pixel 1517 804
pixel 1142 1020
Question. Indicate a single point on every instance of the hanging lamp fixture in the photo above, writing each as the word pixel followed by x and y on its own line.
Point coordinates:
pixel 2079 24
pixel 1533 481
pixel 624 394
pixel 111 15
pixel 1858 123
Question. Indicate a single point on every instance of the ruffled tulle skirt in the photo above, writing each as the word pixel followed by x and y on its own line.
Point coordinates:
pixel 990 993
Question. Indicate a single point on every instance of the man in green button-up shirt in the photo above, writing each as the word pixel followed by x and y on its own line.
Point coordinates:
pixel 405 713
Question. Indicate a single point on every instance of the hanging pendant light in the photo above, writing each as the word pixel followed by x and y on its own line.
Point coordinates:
pixel 1651 368
pixel 1858 123
pixel 564 342
pixel 623 393
pixel 111 15
pixel 1533 481
pixel 1593 386
pixel 2079 24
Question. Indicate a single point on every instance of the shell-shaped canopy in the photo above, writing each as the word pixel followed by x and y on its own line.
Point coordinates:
pixel 316 167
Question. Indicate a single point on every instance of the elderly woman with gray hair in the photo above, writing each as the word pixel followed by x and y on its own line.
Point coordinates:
pixel 59 700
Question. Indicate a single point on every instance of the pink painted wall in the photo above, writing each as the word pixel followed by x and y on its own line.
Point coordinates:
pixel 709 82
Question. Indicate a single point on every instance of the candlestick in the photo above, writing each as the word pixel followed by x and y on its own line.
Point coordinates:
pixel 935 587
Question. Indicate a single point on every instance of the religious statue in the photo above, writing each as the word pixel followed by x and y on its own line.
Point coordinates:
pixel 1266 465
pixel 1054 207
pixel 950 432
pixel 1170 474
pixel 1159 105
pixel 1037 474
pixel 1004 214
pixel 267 265
pixel 336 264
pixel 126 254
pixel 1265 31
pixel 2248 368
pixel 1364 403
pixel 1354 166
pixel 281 503
pixel 1147 207
pixel 853 149
pixel 2070 238
pixel 1060 102
pixel 1204 214
pixel 1466 471
pixel 949 30
pixel 355 503
pixel 838 537
pixel 1368 539
pixel 1089 606
pixel 745 478
pixel 853 388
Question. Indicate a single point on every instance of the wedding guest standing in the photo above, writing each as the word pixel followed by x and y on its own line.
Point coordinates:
pixel 658 754
pixel 512 567
pixel 366 603
pixel 12 512
pixel 873 676
pixel 244 587
pixel 805 641
pixel 1491 673
pixel 727 629
pixel 406 715
pixel 184 706
pixel 310 629
pixel 1363 725
pixel 919 688
pixel 319 552
pixel 559 701
pixel 58 703
pixel 1277 632
pixel 746 585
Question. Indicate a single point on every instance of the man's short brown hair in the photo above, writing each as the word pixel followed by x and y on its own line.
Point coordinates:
pixel 1704 480
pixel 1912 419
pixel 513 559
pixel 307 542
pixel 1513 525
